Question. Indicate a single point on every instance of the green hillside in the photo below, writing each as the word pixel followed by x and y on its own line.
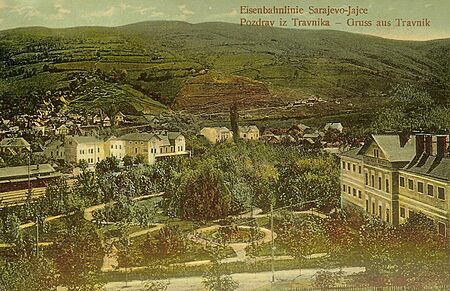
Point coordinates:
pixel 202 68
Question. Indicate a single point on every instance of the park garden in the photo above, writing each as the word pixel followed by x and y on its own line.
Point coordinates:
pixel 239 207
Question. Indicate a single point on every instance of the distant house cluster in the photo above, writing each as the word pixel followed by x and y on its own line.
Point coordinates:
pixel 330 138
pixel 223 134
pixel 394 176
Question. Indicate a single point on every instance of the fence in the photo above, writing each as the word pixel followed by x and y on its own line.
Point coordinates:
pixel 388 288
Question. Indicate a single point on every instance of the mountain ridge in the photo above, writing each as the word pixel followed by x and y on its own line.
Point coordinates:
pixel 168 60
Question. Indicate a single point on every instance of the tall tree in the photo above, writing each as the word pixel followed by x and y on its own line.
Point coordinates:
pixel 234 120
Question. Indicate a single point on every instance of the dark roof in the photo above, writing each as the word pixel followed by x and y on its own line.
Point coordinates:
pixel 431 166
pixel 14 142
pixel 353 153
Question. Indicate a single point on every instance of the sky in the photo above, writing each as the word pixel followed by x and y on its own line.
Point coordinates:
pixel 70 13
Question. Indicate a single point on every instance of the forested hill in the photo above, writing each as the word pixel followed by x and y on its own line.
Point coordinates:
pixel 203 67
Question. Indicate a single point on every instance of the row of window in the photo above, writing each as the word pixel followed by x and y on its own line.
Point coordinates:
pixel 91 160
pixel 89 151
pixel 420 186
pixel 352 191
pixel 379 184
pixel 115 147
pixel 441 227
pixel 378 212
pixel 351 167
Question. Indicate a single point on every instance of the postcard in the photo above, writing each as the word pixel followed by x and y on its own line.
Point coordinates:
pixel 224 145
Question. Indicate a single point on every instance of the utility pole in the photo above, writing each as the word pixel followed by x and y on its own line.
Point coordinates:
pixel 37 236
pixel 273 245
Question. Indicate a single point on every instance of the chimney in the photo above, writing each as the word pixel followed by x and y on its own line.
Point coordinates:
pixel 420 144
pixel 404 136
pixel 429 144
pixel 442 145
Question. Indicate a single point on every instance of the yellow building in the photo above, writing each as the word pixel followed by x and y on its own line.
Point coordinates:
pixel 392 176
pixel 425 182
pixel 249 132
pixel 88 148
pixel 217 134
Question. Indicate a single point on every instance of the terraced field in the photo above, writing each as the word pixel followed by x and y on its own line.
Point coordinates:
pixel 201 68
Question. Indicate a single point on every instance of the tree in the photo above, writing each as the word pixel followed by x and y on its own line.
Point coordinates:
pixel 59 198
pixel 110 164
pixel 204 195
pixel 413 109
pixel 218 276
pixel 309 179
pixel 79 255
pixel 29 273
pixel 234 120
pixel 421 254
pixel 304 236
pixel 11 232
pixel 376 241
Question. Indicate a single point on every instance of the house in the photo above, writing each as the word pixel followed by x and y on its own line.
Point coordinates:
pixel 62 130
pixel 87 148
pixel 39 128
pixel 115 147
pixel 249 132
pixel 14 145
pixel 55 150
pixel 153 146
pixel 15 182
pixel 217 134
pixel 119 118
pixel 394 176
pixel 300 129
pixel 334 126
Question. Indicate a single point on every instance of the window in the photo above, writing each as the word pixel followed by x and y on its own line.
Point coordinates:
pixel 112 146
pixel 343 187
pixel 388 218
pixel 380 211
pixel 348 166
pixel 441 228
pixel 135 150
pixel 387 185
pixel 430 190
pixel 343 165
pixel 373 207
pixel 354 192
pixel 402 181
pixel 367 205
pixel 367 179
pixel 376 153
pixel 373 181
pixel 410 184
pixel 379 183
pixel 98 150
pixel 354 168
pixel 359 170
pixel 420 187
pixel 349 190
pixel 359 194
pixel 441 193
pixel 402 212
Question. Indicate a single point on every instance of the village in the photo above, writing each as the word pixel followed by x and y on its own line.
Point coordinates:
pixel 56 165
